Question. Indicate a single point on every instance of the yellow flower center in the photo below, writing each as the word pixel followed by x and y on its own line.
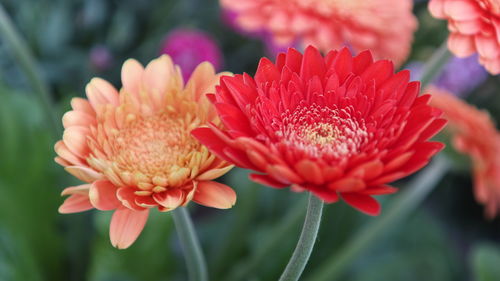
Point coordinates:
pixel 153 145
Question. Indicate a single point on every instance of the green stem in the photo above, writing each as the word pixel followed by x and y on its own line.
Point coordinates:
pixel 404 204
pixel 28 65
pixel 434 65
pixel 306 242
pixel 195 261
pixel 269 245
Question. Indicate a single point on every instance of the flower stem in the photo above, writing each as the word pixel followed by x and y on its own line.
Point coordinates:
pixel 306 242
pixel 269 244
pixel 405 203
pixel 196 265
pixel 27 64
pixel 434 65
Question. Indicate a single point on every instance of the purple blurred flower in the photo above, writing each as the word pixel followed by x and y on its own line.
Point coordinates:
pixel 190 47
pixel 100 58
pixel 459 76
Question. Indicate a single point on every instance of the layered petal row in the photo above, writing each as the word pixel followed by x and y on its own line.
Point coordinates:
pixel 474 28
pixel 338 126
pixel 385 27
pixel 134 150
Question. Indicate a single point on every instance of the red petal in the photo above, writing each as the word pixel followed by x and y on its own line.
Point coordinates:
pixel 379 190
pixel 267 180
pixel 211 140
pixel 266 72
pixel 361 62
pixel 379 71
pixel 347 185
pixel 310 172
pixel 363 203
pixel 313 64
pixel 293 60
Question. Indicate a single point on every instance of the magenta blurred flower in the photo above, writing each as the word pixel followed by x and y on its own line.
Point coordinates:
pixel 100 58
pixel 190 47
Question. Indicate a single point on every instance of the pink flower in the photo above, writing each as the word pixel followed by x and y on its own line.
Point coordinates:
pixel 190 47
pixel 474 26
pixel 385 27
pixel 134 149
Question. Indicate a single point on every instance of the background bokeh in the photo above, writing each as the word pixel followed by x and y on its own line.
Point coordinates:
pixel 447 238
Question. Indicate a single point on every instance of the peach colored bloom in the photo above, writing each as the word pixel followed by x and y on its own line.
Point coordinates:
pixel 385 27
pixel 474 27
pixel 474 134
pixel 134 149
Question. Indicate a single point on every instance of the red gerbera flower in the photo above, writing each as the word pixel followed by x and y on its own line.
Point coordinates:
pixel 334 125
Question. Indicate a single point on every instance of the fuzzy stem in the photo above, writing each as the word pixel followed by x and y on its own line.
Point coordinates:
pixel 306 241
pixel 404 204
pixel 434 65
pixel 196 265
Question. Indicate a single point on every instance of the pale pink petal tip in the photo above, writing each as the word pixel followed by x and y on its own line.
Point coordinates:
pixel 75 203
pixel 125 227
pixel 214 194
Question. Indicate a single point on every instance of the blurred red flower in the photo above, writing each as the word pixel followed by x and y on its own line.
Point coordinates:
pixel 385 27
pixel 474 134
pixel 334 125
pixel 474 27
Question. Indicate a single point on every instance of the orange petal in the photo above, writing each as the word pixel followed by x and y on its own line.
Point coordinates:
pixel 461 45
pixel 170 199
pixel 201 79
pixel 83 105
pixel 214 173
pixel 126 225
pixel 157 74
pixel 75 139
pixel 214 194
pixel 75 203
pixel 77 118
pixel 83 173
pixel 79 189
pixel 102 195
pixel 436 7
pixel 63 151
pixel 132 72
pixel 106 90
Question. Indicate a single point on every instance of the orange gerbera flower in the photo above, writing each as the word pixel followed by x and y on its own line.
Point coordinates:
pixel 337 126
pixel 134 148
pixel 385 27
pixel 474 134
pixel 474 27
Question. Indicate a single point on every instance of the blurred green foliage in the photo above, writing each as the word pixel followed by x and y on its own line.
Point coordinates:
pixel 254 240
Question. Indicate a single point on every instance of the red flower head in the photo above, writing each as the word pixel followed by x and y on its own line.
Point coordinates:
pixel 334 125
